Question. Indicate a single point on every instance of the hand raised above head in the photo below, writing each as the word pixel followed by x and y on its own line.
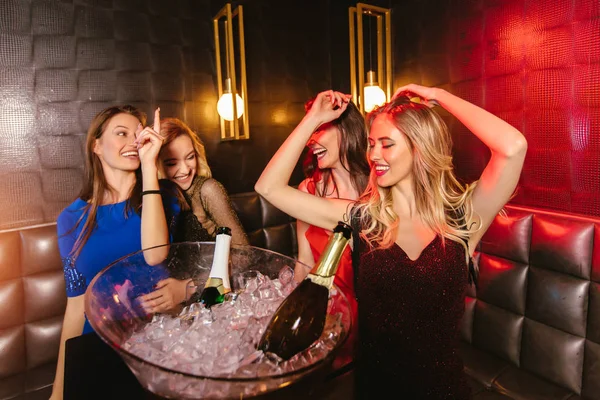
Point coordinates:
pixel 427 94
pixel 328 106
pixel 149 142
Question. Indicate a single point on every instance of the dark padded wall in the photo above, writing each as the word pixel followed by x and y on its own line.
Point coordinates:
pixel 63 61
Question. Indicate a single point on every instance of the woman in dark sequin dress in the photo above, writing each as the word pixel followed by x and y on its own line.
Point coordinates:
pixel 415 228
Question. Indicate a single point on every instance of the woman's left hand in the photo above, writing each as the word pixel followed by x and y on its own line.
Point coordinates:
pixel 149 142
pixel 427 94
pixel 170 292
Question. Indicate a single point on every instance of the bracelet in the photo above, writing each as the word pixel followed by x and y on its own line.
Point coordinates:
pixel 145 192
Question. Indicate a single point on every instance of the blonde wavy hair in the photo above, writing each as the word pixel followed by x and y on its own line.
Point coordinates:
pixel 442 201
pixel 172 128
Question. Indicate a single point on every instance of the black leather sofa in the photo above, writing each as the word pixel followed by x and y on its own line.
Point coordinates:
pixel 532 329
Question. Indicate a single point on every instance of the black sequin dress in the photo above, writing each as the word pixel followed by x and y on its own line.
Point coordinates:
pixel 409 315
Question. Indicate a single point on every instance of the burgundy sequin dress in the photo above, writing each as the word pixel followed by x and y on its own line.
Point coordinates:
pixel 409 316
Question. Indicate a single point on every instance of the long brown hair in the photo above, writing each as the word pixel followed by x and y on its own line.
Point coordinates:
pixel 95 185
pixel 353 152
pixel 172 128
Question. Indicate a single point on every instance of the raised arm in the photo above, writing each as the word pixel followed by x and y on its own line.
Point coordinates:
pixel 273 184
pixel 507 145
pixel 218 204
pixel 155 231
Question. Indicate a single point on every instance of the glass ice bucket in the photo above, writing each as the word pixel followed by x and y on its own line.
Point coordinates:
pixel 170 360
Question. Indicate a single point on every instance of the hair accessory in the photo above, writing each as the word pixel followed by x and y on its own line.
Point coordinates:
pixel 145 192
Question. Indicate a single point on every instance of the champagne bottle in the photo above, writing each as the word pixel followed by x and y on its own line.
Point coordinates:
pixel 300 318
pixel 217 285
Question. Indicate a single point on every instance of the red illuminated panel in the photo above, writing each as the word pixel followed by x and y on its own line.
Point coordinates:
pixel 544 14
pixel 548 130
pixel 471 154
pixel 504 93
pixel 503 56
pixel 585 167
pixel 549 48
pixel 587 85
pixel 586 9
pixel 543 197
pixel 466 32
pixel 587 41
pixel 504 21
pixel 547 168
pixel 585 203
pixel 549 89
pixel 467 63
pixel 585 134
pixel 471 91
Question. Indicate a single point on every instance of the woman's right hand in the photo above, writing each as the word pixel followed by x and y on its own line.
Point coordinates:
pixel 149 142
pixel 328 106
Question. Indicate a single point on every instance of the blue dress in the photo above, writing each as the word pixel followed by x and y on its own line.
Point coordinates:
pixel 117 234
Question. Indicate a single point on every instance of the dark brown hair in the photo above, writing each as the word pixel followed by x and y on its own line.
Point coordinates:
pixel 353 151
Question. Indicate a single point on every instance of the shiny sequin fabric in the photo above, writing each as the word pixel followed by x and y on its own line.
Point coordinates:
pixel 409 315
pixel 74 280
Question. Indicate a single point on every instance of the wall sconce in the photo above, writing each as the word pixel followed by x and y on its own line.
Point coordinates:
pixel 367 90
pixel 238 127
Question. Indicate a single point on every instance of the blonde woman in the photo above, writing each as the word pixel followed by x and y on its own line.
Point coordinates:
pixel 416 228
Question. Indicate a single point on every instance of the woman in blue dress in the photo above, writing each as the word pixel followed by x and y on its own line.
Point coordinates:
pixel 415 228
pixel 120 210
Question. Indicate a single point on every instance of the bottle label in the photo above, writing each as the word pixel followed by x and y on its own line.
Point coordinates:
pixel 220 265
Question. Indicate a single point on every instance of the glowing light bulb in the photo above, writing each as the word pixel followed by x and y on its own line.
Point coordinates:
pixel 225 106
pixel 225 103
pixel 374 96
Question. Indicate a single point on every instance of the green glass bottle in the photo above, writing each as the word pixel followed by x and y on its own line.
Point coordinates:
pixel 217 285
pixel 300 318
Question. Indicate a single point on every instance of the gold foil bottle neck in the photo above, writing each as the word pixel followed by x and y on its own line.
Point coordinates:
pixel 326 267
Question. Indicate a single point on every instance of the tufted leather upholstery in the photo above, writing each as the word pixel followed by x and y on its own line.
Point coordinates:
pixel 32 304
pixel 532 330
pixel 33 300
pixel 266 226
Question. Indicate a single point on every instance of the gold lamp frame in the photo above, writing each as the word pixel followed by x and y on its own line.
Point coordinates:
pixel 226 13
pixel 384 54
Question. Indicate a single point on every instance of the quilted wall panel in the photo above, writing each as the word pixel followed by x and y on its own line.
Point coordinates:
pixel 63 61
pixel 534 63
